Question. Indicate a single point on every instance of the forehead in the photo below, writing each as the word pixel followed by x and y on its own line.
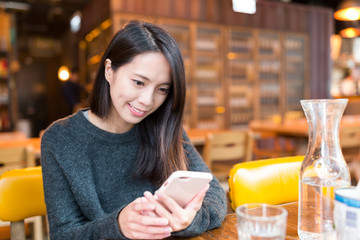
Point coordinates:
pixel 151 65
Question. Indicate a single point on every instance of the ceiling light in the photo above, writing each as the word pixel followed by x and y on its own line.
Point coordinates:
pixel 63 73
pixel 75 22
pixel 248 6
pixel 350 29
pixel 348 10
pixel 350 32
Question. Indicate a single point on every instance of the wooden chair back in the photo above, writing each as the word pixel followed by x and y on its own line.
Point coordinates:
pixel 16 157
pixel 227 146
pixel 350 142
pixel 8 136
pixel 270 145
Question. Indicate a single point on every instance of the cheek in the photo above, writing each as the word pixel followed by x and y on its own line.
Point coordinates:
pixel 159 101
pixel 117 92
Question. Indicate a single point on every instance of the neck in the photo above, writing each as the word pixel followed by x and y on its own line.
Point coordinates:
pixel 110 124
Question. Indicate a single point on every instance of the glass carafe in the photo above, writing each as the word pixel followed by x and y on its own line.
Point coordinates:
pixel 323 169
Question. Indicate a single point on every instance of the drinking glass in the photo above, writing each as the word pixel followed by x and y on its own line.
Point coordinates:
pixel 259 221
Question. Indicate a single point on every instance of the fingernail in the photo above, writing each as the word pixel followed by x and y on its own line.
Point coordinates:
pixel 147 194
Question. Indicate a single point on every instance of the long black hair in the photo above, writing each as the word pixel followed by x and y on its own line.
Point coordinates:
pixel 161 150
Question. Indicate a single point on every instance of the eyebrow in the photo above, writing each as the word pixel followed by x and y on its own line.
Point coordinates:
pixel 146 78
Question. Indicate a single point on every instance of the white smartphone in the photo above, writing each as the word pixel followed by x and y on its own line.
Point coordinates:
pixel 182 186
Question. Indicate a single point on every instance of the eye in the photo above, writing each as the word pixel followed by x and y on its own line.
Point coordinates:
pixel 138 83
pixel 164 90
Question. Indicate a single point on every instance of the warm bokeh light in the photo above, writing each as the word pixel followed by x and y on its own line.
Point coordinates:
pixel 106 24
pixel 220 109
pixel 93 34
pixel 94 59
pixel 63 73
pixel 231 55
pixel 348 14
pixel 350 32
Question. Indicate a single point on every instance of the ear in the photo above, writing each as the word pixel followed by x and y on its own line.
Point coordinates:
pixel 109 72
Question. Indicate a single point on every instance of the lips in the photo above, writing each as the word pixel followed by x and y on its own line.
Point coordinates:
pixel 137 112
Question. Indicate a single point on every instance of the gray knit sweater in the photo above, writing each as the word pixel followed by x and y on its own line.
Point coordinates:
pixel 87 174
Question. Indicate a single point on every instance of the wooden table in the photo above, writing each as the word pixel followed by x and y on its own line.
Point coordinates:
pixel 198 136
pixel 298 130
pixel 228 229
pixel 34 142
pixel 296 127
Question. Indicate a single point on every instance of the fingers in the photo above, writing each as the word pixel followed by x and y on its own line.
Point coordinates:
pixel 196 202
pixel 141 204
pixel 168 208
pixel 134 225
pixel 163 210
pixel 147 213
pixel 179 218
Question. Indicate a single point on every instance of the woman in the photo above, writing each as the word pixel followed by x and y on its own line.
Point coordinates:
pixel 102 165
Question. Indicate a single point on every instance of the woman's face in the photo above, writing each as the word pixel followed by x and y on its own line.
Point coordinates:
pixel 137 89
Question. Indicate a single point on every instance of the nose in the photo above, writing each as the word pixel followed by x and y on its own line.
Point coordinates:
pixel 147 97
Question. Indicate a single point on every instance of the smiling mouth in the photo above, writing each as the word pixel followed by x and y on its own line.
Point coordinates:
pixel 136 110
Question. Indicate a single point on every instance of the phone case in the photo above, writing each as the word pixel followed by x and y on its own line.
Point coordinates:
pixel 182 186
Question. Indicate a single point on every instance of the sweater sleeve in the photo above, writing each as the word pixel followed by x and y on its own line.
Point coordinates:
pixel 214 206
pixel 65 217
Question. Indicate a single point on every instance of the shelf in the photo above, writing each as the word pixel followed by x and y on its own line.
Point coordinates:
pixel 295 77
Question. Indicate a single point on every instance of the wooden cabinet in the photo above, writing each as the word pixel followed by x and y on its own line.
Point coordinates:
pixel 269 75
pixel 235 74
pixel 181 31
pixel 202 49
pixel 208 111
pixel 295 73
pixel 5 99
pixel 239 76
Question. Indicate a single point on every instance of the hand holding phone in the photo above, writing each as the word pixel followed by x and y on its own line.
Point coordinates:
pixel 182 186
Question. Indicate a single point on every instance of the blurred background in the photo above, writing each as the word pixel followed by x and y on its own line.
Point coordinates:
pixel 254 62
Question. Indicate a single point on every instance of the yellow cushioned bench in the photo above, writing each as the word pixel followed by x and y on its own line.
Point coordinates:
pixel 21 197
pixel 272 181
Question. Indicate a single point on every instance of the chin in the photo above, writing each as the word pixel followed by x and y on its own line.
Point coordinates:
pixel 134 121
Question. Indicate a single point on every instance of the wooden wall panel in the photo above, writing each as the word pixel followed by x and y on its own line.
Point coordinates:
pixel 320 29
pixel 316 22
pixel 180 9
pixel 213 12
pixel 93 15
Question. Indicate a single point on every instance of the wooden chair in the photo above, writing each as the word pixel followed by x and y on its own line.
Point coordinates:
pixel 223 149
pixel 269 145
pixel 22 197
pixel 350 146
pixel 16 157
pixel 350 142
pixel 8 136
pixel 272 181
